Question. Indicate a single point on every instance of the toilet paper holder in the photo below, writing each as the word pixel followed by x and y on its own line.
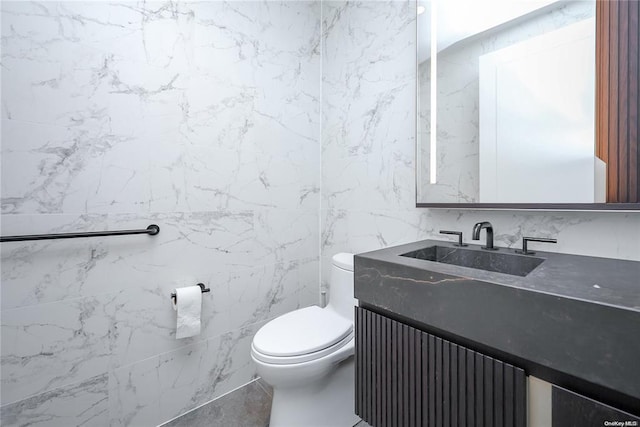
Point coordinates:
pixel 202 288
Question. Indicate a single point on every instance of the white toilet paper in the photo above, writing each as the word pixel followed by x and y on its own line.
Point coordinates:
pixel 188 304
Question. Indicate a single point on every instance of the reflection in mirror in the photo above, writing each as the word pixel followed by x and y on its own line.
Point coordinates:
pixel 514 103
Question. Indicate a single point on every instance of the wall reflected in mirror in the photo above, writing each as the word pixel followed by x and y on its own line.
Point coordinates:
pixel 514 118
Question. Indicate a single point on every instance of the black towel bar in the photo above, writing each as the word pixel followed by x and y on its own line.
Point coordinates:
pixel 151 230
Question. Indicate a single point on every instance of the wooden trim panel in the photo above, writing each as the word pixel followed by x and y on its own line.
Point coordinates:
pixel 407 377
pixel 618 97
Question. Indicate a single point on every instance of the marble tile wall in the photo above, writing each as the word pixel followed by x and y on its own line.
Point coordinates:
pixel 201 117
pixel 368 185
pixel 368 128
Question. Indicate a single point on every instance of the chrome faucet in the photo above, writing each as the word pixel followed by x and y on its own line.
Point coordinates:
pixel 476 234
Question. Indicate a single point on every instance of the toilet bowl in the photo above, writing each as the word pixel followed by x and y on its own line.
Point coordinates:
pixel 307 357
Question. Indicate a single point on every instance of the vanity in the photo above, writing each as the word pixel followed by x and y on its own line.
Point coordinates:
pixel 450 335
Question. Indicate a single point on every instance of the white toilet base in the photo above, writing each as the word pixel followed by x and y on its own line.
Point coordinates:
pixel 326 402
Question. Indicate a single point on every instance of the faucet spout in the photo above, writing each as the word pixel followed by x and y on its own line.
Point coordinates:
pixel 476 234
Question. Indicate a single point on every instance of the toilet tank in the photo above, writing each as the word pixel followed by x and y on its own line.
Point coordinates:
pixel 341 298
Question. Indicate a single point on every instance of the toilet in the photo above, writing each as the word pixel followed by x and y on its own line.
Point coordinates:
pixel 307 357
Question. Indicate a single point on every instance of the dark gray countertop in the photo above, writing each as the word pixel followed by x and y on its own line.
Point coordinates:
pixel 600 280
pixel 573 320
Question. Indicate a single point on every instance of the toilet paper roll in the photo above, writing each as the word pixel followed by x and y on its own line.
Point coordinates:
pixel 188 305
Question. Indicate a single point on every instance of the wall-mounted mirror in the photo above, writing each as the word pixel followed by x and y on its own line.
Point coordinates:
pixel 531 107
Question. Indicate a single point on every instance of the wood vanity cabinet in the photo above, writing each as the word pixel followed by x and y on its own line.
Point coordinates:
pixel 406 377
pixel 574 410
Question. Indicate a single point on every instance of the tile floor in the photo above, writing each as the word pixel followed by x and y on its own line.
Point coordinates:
pixel 249 406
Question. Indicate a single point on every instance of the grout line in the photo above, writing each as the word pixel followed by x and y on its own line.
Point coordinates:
pixel 319 272
pixel 263 388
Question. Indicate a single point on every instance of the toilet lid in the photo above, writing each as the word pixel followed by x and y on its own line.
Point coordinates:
pixel 343 260
pixel 303 331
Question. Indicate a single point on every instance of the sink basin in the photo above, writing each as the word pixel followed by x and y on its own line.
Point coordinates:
pixel 516 265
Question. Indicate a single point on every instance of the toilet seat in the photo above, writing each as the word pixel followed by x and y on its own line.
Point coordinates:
pixel 293 360
pixel 301 335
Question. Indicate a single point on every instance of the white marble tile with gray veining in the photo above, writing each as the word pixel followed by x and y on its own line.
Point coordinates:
pixel 134 394
pixel 226 365
pixel 205 178
pixel 600 234
pixel 76 339
pixel 368 79
pixel 362 231
pixel 201 117
pixel 349 183
pixel 84 403
pixel 262 293
pixel 161 107
pixel 207 242
pixel 103 107
pixel 308 282
pixel 617 234
pixel 238 147
pixel 39 272
pixel 170 384
pixel 48 346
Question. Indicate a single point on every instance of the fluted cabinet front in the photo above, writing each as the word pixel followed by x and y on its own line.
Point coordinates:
pixel 407 377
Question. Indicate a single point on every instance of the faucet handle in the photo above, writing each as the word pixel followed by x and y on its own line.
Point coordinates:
pixel 457 233
pixel 524 250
